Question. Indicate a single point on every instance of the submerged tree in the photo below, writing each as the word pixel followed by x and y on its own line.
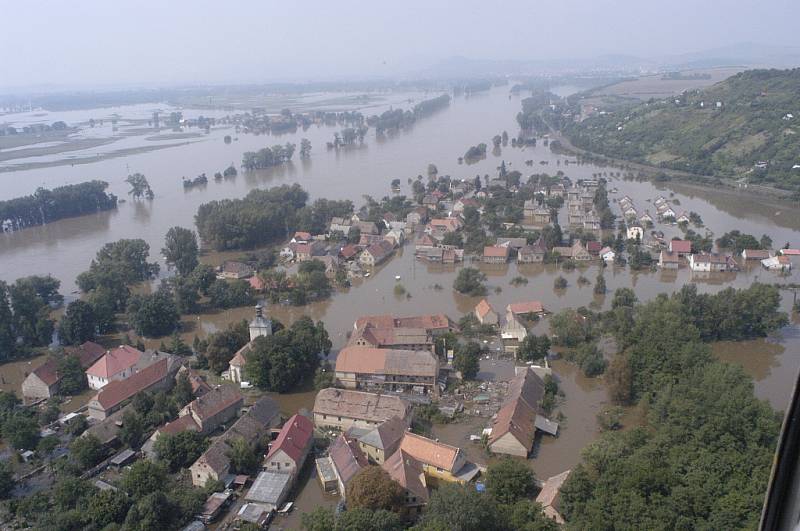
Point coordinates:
pixel 139 186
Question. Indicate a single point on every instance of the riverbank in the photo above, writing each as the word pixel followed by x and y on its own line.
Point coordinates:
pixel 705 182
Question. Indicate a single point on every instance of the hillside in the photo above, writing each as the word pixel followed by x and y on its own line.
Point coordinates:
pixel 727 130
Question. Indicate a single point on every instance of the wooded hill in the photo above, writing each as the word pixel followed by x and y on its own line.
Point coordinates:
pixel 747 126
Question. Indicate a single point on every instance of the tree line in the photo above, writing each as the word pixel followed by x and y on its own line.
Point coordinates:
pixel 714 440
pixel 45 206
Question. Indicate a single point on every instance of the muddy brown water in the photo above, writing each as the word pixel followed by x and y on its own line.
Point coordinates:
pixel 64 249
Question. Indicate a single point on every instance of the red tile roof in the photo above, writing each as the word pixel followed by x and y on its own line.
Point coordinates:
pixel 115 361
pixel 118 391
pixel 48 372
pixel 495 251
pixel 293 438
pixel 483 308
pixel 526 307
pixel 347 457
pixel 680 246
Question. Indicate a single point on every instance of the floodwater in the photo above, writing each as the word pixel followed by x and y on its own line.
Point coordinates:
pixel 64 249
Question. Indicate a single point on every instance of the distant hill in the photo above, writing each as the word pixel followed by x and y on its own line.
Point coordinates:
pixel 747 126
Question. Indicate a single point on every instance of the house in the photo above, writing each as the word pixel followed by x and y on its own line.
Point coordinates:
pixel 388 370
pixel 540 215
pixel 330 262
pixel 252 427
pixel 343 225
pixel 430 202
pixel 634 232
pixel 579 252
pixel 174 427
pixel 259 326
pixel 376 254
pixel 157 376
pixel 365 240
pixel 513 243
pixel 451 256
pixel 682 218
pixel 790 252
pixel 257 283
pixel 307 251
pixel 214 408
pixel 116 364
pixel 347 458
pixel 756 254
pixel 711 262
pixel 435 324
pixel 441 226
pixel 349 251
pixel 409 473
pixel 530 254
pixel 406 338
pixel 646 218
pixel 591 222
pixel 594 248
pixel 418 216
pixel 214 505
pixel 513 331
pixel 680 247
pixel 607 254
pixel 461 204
pixel 232 270
pixel 485 313
pixel 198 383
pixel 425 243
pixel 326 474
pixel 381 441
pixel 395 236
pixel 495 254
pixel 550 496
pixel 666 212
pixel 777 263
pixel 43 381
pixel 440 461
pixel 346 408
pixel 268 492
pixel 526 308
pixel 301 237
pixel 668 260
pixel 288 451
pixel 514 427
pixel 367 227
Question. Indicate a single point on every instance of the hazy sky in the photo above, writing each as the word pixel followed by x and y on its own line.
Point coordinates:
pixel 92 42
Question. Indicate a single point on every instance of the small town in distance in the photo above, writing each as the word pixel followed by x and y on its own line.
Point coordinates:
pixel 343 268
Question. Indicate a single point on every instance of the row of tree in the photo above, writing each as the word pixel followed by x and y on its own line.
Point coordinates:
pixel 46 206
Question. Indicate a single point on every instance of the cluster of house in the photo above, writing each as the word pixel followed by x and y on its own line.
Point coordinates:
pixel 581 213
pixel 514 329
pixel 679 251
pixel 117 375
pixel 374 429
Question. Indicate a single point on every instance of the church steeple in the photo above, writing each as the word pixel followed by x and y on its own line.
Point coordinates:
pixel 260 326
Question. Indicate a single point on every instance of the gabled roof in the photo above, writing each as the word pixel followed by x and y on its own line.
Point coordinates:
pixel 495 251
pixel 214 402
pixel 47 372
pixel 429 451
pixel 408 473
pixel 117 391
pixel 380 249
pixel 549 494
pixel 667 256
pixel 293 438
pixel 520 308
pixel 115 361
pixel 518 414
pixel 371 407
pixel 88 353
pixel 368 360
pixel 385 435
pixel 483 308
pixel 347 457
pixel 680 246
pixel 181 424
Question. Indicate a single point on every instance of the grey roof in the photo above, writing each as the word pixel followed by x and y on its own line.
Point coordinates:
pixel 347 458
pixel 265 410
pixel 122 457
pixel 270 487
pixel 386 435
pixel 546 425
pixel 325 469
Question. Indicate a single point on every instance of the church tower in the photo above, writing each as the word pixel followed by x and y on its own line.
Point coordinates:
pixel 260 326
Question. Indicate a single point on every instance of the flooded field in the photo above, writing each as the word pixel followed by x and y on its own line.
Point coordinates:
pixel 64 249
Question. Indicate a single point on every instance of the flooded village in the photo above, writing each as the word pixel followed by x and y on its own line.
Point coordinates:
pixel 478 252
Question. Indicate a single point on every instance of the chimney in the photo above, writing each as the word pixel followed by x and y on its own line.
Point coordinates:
pixel 259 309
